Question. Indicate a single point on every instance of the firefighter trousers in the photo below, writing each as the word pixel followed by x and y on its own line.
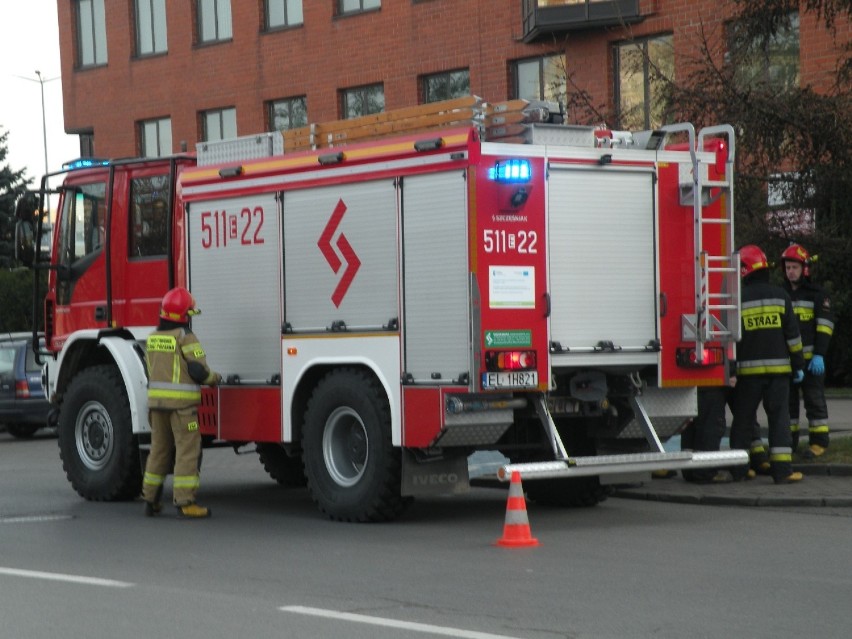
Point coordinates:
pixel 706 430
pixel 175 443
pixel 774 392
pixel 812 390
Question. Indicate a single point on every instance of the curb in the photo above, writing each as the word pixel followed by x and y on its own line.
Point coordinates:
pixel 747 494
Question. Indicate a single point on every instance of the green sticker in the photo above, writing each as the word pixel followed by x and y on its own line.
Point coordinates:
pixel 501 339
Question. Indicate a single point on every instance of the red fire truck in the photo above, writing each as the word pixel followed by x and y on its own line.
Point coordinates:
pixel 381 310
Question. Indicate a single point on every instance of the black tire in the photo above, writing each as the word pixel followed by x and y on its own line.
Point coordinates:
pixel 570 492
pixel 22 431
pixel 285 469
pixel 99 453
pixel 352 467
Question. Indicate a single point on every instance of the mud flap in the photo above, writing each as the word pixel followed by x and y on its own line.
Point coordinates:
pixel 423 476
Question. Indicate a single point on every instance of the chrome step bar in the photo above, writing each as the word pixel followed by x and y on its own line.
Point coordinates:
pixel 622 464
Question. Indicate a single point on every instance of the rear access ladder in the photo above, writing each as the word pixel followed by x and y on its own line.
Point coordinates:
pixel 717 280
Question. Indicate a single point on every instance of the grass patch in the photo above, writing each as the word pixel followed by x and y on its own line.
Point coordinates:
pixel 838 452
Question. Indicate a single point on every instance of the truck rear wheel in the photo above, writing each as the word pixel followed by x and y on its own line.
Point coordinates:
pixel 99 454
pixel 285 469
pixel 352 467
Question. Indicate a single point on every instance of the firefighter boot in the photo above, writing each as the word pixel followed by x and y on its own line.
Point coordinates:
pixel 153 508
pixel 813 451
pixel 792 478
pixel 193 511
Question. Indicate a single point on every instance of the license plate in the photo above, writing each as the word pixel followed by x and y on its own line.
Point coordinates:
pixel 519 379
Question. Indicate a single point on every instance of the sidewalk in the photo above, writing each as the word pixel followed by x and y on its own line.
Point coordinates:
pixel 823 485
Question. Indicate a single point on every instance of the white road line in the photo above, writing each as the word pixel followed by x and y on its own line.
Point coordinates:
pixel 392 623
pixel 55 576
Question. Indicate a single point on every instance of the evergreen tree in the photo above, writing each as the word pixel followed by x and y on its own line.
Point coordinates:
pixel 12 185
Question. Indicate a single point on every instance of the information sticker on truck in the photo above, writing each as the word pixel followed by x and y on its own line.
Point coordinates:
pixel 513 379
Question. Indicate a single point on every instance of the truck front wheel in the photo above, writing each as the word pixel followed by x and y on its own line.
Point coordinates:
pixel 99 454
pixel 352 467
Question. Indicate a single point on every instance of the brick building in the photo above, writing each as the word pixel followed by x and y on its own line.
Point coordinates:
pixel 148 77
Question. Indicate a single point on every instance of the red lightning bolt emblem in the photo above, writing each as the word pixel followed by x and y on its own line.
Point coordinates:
pixel 334 261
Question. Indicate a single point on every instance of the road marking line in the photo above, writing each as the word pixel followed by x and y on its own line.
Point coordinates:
pixel 392 623
pixel 55 576
pixel 28 519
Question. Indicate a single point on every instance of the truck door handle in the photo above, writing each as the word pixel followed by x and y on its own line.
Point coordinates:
pixel 100 313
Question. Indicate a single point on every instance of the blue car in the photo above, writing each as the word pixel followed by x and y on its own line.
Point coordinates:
pixel 23 405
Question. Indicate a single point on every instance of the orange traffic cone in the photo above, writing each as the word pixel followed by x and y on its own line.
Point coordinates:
pixel 516 530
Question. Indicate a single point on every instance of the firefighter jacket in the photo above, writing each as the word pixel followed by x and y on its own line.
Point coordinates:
pixel 177 367
pixel 771 343
pixel 816 321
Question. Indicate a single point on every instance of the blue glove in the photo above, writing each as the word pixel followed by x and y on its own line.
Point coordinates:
pixel 798 376
pixel 817 365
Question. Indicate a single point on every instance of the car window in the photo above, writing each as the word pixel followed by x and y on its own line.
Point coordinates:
pixel 7 360
pixel 31 365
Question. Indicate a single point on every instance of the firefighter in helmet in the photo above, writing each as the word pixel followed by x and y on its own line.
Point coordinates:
pixel 177 367
pixel 816 323
pixel 768 355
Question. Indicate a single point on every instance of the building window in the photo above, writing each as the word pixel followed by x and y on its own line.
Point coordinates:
pixel 541 79
pixel 770 61
pixel 644 70
pixel 446 86
pixel 363 100
pixel 149 208
pixel 91 33
pixel 289 113
pixel 283 13
pixel 214 20
pixel 150 27
pixel 155 137
pixel 356 6
pixel 219 124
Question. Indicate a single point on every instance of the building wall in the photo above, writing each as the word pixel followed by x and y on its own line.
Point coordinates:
pixel 395 45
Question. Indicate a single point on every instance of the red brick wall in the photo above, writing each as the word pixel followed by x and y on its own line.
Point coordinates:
pixel 395 46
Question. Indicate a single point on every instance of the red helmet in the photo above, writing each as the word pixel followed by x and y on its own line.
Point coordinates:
pixel 178 306
pixel 798 253
pixel 752 259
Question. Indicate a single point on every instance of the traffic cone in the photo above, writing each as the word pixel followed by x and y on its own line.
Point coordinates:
pixel 516 530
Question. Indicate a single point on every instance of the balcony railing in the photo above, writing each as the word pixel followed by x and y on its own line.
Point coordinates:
pixel 549 17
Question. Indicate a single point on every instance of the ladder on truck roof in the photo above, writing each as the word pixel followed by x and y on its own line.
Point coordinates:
pixel 717 278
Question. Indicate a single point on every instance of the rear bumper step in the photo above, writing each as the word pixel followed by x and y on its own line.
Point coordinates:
pixel 618 464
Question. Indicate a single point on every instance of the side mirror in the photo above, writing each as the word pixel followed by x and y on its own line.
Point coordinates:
pixel 26 208
pixel 24 242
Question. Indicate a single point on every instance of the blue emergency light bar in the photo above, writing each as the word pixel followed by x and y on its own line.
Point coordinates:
pixel 84 163
pixel 514 171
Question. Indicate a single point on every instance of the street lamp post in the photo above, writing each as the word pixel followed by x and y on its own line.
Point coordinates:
pixel 41 82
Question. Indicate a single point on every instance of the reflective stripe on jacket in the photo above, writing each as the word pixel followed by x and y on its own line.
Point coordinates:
pixel 771 343
pixel 169 383
pixel 816 320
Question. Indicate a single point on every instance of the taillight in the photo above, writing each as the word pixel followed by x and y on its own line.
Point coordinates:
pixel 710 356
pixel 509 360
pixel 22 389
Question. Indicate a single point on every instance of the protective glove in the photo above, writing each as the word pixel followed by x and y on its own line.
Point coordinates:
pixel 798 376
pixel 817 365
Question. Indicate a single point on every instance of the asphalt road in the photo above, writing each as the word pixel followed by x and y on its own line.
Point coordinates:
pixel 267 564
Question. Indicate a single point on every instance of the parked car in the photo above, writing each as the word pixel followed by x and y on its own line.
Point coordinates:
pixel 23 405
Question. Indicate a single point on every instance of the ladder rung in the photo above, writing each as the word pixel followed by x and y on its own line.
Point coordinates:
pixel 716 184
pixel 715 220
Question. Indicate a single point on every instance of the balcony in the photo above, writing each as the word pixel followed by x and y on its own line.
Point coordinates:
pixel 552 17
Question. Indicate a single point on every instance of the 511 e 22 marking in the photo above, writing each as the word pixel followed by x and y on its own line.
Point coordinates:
pixel 218 227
